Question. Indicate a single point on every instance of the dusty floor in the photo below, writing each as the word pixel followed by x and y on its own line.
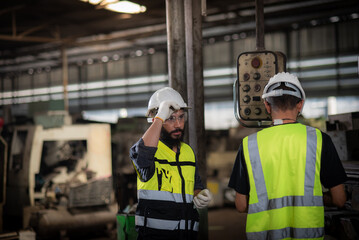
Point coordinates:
pixel 223 224
pixel 226 224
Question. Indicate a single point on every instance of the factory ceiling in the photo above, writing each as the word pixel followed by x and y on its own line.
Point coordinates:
pixel 29 27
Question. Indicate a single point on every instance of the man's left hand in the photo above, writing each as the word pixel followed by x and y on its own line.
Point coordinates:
pixel 202 199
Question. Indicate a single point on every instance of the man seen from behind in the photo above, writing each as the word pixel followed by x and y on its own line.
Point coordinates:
pixel 279 171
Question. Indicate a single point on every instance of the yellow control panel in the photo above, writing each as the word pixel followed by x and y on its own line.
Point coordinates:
pixel 254 71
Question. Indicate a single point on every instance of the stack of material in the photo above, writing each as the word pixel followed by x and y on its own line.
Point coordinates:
pixel 344 131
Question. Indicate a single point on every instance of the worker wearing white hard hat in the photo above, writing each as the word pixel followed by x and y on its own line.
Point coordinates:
pixel 292 87
pixel 166 94
pixel 279 171
pixel 169 186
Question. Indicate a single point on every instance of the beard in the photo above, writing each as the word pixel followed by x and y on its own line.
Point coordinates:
pixel 170 141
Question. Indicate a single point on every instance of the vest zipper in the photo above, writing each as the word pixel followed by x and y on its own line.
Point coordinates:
pixel 182 178
pixel 183 189
pixel 159 179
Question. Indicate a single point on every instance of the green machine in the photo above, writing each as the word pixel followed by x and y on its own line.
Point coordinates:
pixel 126 227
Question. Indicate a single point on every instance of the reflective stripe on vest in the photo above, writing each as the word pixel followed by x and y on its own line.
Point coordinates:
pixel 288 233
pixel 265 204
pixel 165 224
pixel 163 196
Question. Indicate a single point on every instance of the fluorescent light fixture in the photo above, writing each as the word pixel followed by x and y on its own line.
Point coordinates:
pixel 126 7
pixel 121 6
pixel 94 2
pixel 99 2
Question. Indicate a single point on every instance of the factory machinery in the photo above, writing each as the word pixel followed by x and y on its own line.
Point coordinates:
pixel 59 181
pixel 344 131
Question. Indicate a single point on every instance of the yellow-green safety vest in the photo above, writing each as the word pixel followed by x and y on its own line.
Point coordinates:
pixel 169 192
pixel 285 198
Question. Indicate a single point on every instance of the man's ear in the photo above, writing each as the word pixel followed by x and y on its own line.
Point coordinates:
pixel 267 106
pixel 300 106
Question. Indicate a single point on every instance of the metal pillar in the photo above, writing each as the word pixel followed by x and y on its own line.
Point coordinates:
pixel 3 169
pixel 185 67
pixel 176 46
pixel 65 78
pixel 195 87
pixel 195 90
pixel 259 25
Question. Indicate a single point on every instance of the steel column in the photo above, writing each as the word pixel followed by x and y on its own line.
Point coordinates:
pixel 176 46
pixel 260 25
pixel 195 87
pixel 65 78
pixel 195 90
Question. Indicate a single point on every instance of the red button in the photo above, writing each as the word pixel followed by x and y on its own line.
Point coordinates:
pixel 256 62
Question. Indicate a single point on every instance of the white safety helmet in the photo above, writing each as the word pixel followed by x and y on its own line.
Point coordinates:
pixel 164 94
pixel 289 80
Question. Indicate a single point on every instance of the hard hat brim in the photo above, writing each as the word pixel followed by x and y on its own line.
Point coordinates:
pixel 151 113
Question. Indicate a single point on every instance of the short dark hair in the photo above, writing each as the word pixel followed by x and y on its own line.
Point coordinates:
pixel 284 102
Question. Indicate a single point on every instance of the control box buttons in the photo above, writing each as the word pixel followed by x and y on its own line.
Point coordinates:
pixel 247 111
pixel 257 87
pixel 246 77
pixel 254 71
pixel 246 88
pixel 256 76
pixel 256 62
pixel 246 99
pixel 257 111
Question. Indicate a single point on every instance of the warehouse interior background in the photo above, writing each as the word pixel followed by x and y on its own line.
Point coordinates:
pixel 115 61
pixel 67 62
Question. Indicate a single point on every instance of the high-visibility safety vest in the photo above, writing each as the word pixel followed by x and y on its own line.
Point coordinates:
pixel 285 198
pixel 165 200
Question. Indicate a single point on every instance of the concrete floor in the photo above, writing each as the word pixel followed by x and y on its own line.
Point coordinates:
pixel 223 224
pixel 226 224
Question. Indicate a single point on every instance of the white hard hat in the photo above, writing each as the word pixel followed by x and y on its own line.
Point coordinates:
pixel 164 94
pixel 289 80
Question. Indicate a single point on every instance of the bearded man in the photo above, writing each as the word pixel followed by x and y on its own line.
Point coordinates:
pixel 168 184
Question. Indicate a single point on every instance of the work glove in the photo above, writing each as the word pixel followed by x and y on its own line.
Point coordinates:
pixel 165 110
pixel 202 199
